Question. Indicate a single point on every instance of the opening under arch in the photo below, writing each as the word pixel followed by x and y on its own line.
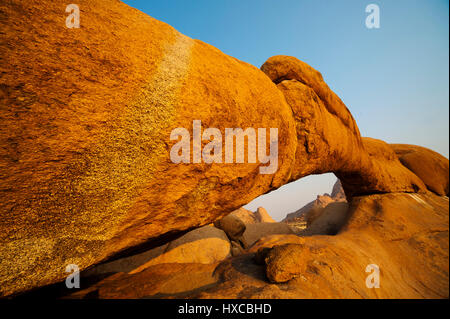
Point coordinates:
pixel 293 196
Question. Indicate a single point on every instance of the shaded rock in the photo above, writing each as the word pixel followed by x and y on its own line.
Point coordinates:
pixel 254 232
pixel 248 217
pixel 338 193
pixel 390 230
pixel 125 264
pixel 328 138
pixel 431 167
pixel 275 240
pixel 240 277
pixel 260 255
pixel 232 226
pixel 329 221
pixel 236 249
pixel 286 262
pixel 317 208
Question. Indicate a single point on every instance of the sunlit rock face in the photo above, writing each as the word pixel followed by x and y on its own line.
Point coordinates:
pixel 328 137
pixel 389 231
pixel 87 116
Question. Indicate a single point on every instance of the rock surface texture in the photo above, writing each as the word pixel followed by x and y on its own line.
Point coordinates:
pixel 328 137
pixel 204 245
pixel 311 210
pixel 86 120
pixel 430 166
pixel 253 232
pixel 249 217
pixel 387 230
pixel 85 171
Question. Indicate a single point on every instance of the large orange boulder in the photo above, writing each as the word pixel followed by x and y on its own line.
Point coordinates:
pixel 431 167
pixel 245 215
pixel 404 236
pixel 87 116
pixel 204 245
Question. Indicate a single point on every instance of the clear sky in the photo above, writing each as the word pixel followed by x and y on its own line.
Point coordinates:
pixel 393 79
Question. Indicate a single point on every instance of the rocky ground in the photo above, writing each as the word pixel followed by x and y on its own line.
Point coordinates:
pixel 326 207
pixel 87 179
pixel 387 230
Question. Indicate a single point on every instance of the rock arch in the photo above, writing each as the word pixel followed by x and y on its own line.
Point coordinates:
pixel 86 117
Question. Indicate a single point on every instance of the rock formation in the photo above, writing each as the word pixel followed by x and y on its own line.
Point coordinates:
pixel 389 236
pixel 263 216
pixel 249 217
pixel 328 137
pixel 85 137
pixel 244 227
pixel 232 226
pixel 246 216
pixel 308 212
pixel 204 245
pixel 162 280
pixel 337 193
pixel 253 232
pixel 327 221
pixel 86 118
pixel 430 166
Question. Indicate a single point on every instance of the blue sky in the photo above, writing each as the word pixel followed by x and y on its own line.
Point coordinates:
pixel 393 79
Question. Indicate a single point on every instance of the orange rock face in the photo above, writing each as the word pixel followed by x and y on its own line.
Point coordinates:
pixel 310 211
pixel 328 137
pixel 249 217
pixel 86 116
